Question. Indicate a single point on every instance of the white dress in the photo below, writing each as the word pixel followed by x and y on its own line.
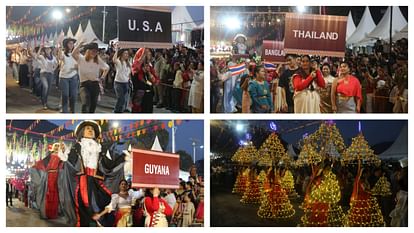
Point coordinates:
pixel 195 98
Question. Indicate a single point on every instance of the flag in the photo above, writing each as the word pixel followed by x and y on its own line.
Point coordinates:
pixel 237 69
pixel 269 66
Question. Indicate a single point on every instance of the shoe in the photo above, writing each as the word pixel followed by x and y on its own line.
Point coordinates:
pixel 44 107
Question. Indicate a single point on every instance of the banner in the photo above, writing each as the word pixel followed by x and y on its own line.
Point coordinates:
pixel 144 27
pixel 273 51
pixel 155 169
pixel 315 34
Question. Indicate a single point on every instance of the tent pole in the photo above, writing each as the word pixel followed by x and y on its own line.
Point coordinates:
pixel 391 29
pixel 103 24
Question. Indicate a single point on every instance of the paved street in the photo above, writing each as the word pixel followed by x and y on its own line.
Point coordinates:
pixel 20 100
pixel 21 216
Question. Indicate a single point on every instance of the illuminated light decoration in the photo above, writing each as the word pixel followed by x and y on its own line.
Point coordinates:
pixel 251 193
pixel 273 148
pixel 273 126
pixel 288 183
pixel 360 153
pixel 321 206
pixel 327 140
pixel 359 127
pixel 248 137
pixel 241 181
pixel 382 187
pixel 239 127
pixel 308 155
pixel 242 143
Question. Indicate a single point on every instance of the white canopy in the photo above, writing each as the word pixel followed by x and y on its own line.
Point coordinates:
pixel 365 25
pixel 401 34
pixel 181 19
pixel 382 30
pixel 90 36
pixel 79 33
pixel 156 146
pixel 69 33
pixel 350 26
pixel 399 149
pixel 291 151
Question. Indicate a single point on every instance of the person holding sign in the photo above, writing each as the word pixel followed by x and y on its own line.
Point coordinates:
pixel 346 94
pixel 143 78
pixel 156 209
pixel 91 71
pixel 306 99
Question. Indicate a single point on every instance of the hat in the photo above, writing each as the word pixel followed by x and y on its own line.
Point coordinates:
pixel 47 45
pixel 84 123
pixel 139 54
pixel 67 40
pixel 92 45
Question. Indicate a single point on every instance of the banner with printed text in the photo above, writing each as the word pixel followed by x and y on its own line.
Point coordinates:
pixel 155 169
pixel 144 27
pixel 322 35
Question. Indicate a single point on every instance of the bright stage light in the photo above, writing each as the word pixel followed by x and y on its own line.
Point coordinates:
pixel 301 9
pixel 232 23
pixel 239 127
pixel 57 15
pixel 115 124
pixel 67 10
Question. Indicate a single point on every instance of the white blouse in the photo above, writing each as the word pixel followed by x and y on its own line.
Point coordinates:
pixel 89 70
pixel 123 71
pixel 118 202
pixel 68 66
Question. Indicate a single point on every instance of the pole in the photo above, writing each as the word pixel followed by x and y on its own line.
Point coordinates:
pixel 173 136
pixel 103 24
pixel 194 151
pixel 391 29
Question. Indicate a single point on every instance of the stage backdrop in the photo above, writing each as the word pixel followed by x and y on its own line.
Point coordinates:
pixel 155 169
pixel 315 34
pixel 148 27
pixel 273 51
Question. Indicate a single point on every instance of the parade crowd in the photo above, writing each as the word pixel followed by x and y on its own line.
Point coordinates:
pixel 86 185
pixel 375 82
pixel 140 79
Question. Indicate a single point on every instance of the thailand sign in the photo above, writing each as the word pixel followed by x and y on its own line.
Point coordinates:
pixel 273 51
pixel 148 27
pixel 315 34
pixel 155 169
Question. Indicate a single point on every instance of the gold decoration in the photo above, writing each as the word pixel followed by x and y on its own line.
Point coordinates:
pixel 321 206
pixel 272 149
pixel 252 193
pixel 288 183
pixel 382 187
pixel 308 155
pixel 360 152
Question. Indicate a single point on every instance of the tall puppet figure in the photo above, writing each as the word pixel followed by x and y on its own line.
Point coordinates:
pixel 44 176
pixel 93 174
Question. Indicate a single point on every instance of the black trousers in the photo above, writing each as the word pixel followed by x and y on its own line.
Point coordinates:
pixel 9 198
pixel 89 92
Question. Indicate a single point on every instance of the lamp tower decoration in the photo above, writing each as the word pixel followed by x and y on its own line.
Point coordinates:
pixel 275 202
pixel 251 193
pixel 382 187
pixel 320 205
pixel 364 209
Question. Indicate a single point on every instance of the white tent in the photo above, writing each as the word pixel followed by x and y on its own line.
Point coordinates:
pixel 79 33
pixel 182 25
pixel 291 151
pixel 156 146
pixel 365 25
pixel 401 34
pixel 382 30
pixel 350 26
pixel 399 149
pixel 90 36
pixel 69 33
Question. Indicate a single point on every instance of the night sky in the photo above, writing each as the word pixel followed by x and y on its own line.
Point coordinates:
pixel 185 131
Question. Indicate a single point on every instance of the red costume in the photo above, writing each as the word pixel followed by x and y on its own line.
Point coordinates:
pixel 51 165
pixel 350 89
pixel 300 83
pixel 152 206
